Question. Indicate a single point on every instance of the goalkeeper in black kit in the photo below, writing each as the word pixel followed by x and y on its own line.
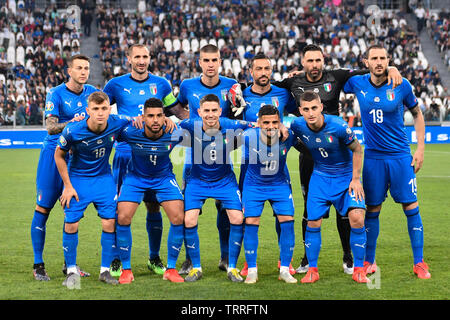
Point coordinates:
pixel 328 85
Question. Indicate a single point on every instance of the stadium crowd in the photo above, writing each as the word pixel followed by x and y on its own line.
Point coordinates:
pixel 42 40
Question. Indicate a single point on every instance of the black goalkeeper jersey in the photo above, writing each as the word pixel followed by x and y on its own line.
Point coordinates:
pixel 328 87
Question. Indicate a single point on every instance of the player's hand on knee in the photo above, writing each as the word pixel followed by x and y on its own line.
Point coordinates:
pixel 356 189
pixel 67 196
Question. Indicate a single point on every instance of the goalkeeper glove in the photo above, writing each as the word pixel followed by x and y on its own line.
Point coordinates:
pixel 236 99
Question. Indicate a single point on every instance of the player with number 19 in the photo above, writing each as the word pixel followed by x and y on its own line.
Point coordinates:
pixel 388 163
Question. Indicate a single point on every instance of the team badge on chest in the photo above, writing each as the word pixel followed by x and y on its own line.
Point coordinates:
pixel 390 95
pixel 327 87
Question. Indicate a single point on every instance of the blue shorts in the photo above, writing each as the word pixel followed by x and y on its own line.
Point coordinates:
pixel 279 197
pixel 225 190
pixel 49 184
pixel 120 166
pixel 395 175
pixel 101 191
pixel 325 191
pixel 160 188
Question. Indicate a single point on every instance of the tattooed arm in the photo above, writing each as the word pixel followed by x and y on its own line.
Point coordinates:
pixel 54 127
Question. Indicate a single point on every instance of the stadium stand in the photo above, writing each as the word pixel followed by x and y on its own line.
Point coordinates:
pixel 174 31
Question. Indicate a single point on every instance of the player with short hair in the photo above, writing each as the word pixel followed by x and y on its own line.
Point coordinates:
pixel 261 92
pixel 150 172
pixel 336 180
pixel 88 179
pixel 212 176
pixel 388 163
pixel 267 179
pixel 64 103
pixel 129 92
pixel 191 92
pixel 328 84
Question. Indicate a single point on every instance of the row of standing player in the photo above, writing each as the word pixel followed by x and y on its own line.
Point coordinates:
pixel 210 80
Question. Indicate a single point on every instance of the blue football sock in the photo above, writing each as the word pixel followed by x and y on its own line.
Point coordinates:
pixel 223 226
pixel 174 244
pixel 193 245
pixel 107 241
pixel 38 231
pixel 313 242
pixel 358 244
pixel 287 242
pixel 124 244
pixel 372 225
pixel 235 243
pixel 70 244
pixel 278 231
pixel 415 230
pixel 154 226
pixel 116 254
pixel 251 244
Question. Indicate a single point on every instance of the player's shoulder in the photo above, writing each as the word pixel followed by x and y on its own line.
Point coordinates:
pixel 227 80
pixel 334 120
pixel 90 88
pixel 155 78
pixel 119 79
pixel 298 123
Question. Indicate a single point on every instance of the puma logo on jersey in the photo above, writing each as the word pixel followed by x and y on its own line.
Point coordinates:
pixel 363 93
pixel 127 90
pixel 196 95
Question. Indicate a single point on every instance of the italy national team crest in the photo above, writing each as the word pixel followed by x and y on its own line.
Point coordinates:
pixel 390 95
pixel 327 87
pixel 330 139
pixel 224 93
pixel 275 102
pixel 153 89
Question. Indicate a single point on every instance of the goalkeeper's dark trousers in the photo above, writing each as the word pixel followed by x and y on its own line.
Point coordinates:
pixel 306 166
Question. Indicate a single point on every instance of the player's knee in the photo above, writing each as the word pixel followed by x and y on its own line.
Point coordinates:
pixel 124 219
pixel 315 223
pixel 356 217
pixel 190 220
pixel 108 225
pixel 71 227
pixel 42 209
pixel 410 206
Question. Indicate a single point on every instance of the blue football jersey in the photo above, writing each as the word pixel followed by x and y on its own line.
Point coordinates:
pixel 265 164
pixel 65 104
pixel 278 97
pixel 150 158
pixel 382 110
pixel 210 156
pixel 90 151
pixel 130 95
pixel 329 145
pixel 192 90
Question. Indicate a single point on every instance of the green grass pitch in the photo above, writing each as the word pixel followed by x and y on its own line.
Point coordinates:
pixel 394 256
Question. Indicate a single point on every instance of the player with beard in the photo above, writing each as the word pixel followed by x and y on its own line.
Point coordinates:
pixel 129 92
